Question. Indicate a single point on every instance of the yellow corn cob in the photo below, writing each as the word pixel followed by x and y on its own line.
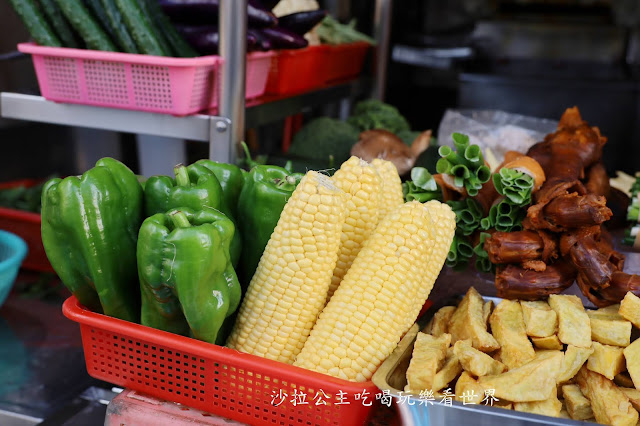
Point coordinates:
pixel 391 186
pixel 444 228
pixel 289 288
pixel 379 296
pixel 363 188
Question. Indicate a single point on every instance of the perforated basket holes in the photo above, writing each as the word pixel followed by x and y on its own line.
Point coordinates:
pixel 106 82
pixel 62 80
pixel 152 87
pixel 178 376
pixel 202 87
pixel 250 394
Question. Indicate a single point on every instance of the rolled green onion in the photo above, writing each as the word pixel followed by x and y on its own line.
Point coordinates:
pixel 422 186
pixel 468 215
pixel 483 173
pixel 632 213
pixel 473 154
pixel 460 171
pixel 515 185
pixel 443 166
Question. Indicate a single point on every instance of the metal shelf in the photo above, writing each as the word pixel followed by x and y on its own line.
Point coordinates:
pixel 193 127
pixel 37 108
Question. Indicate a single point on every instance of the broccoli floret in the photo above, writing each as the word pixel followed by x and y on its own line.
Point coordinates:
pixel 324 137
pixel 374 114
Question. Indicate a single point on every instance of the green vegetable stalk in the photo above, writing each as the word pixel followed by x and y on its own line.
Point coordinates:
pixel 421 187
pixel 90 229
pixel 460 252
pixel 515 185
pixel 468 215
pixel 331 31
pixel 465 164
pixel 504 217
pixel 187 281
pixel 483 264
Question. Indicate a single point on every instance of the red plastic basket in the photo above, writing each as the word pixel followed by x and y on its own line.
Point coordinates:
pixel 27 226
pixel 298 70
pixel 345 61
pixel 215 379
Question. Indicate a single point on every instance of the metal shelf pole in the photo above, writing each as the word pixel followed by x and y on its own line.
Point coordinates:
pixel 232 21
pixel 382 34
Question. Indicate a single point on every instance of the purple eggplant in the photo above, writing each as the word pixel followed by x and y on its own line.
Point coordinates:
pixel 262 42
pixel 302 22
pixel 205 12
pixel 206 38
pixel 267 4
pixel 284 39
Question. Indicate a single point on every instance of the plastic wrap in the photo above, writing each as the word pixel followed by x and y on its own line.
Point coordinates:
pixel 498 130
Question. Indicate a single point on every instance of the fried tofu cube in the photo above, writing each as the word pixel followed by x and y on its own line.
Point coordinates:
pixel 507 326
pixel 630 308
pixel 448 372
pixel 609 404
pixel 573 322
pixel 468 386
pixel 551 342
pixel 632 358
pixel 608 331
pixel 534 381
pixel 428 357
pixel 440 321
pixel 467 322
pixel 574 358
pixel 549 407
pixel 476 362
pixel 634 396
pixel 486 311
pixel 578 407
pixel 539 319
pixel 606 360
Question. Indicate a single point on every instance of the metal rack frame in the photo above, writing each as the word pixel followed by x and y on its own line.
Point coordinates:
pixel 224 131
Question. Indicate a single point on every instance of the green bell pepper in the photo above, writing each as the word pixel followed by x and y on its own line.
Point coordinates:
pixel 231 180
pixel 195 187
pixel 187 281
pixel 89 231
pixel 265 192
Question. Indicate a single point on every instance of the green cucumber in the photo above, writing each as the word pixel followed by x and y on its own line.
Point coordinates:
pixel 59 23
pixel 144 5
pixel 116 23
pixel 179 47
pixel 35 22
pixel 82 21
pixel 139 25
pixel 98 12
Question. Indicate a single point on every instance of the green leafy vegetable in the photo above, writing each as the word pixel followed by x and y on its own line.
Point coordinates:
pixel 324 137
pixel 331 31
pixel 374 114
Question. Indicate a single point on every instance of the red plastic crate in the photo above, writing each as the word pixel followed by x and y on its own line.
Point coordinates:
pixel 27 226
pixel 297 70
pixel 213 378
pixel 345 61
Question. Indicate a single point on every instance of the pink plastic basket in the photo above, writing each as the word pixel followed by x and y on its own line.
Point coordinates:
pixel 258 66
pixel 178 86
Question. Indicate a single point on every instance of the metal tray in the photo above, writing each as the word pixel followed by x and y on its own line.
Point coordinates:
pixel 391 379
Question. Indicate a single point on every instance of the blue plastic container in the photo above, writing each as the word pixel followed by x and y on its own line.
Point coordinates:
pixel 13 250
